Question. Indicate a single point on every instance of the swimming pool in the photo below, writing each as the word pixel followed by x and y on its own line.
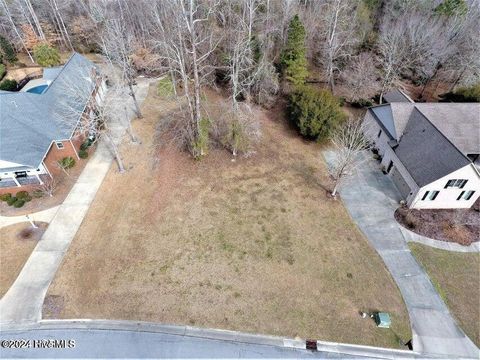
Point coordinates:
pixel 40 89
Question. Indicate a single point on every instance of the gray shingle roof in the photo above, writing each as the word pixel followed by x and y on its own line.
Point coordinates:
pixel 425 152
pixel 459 122
pixel 30 122
pixel 396 95
pixel 51 73
pixel 384 114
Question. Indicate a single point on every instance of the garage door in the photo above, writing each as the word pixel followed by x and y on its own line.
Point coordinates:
pixel 400 183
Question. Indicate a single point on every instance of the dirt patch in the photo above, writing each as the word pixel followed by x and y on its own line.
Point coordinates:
pixel 251 244
pixel 461 226
pixel 52 306
pixel 16 244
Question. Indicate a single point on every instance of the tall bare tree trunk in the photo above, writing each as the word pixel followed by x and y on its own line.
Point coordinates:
pixel 138 112
pixel 457 80
pixel 430 78
pixel 62 25
pixel 133 138
pixel 9 16
pixel 116 154
pixel 35 20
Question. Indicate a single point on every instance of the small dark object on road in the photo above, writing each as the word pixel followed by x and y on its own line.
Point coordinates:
pixel 311 345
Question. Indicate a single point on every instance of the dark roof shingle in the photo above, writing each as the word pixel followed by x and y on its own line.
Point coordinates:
pixel 425 152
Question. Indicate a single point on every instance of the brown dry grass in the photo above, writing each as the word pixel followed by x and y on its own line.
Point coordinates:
pixel 16 244
pixel 252 245
pixel 457 277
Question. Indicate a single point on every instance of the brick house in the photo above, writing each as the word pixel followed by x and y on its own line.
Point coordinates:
pixel 44 122
pixel 430 150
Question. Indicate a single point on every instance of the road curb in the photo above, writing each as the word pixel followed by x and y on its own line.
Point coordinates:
pixel 214 334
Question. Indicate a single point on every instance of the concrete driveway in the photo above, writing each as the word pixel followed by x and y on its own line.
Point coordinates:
pixel 371 199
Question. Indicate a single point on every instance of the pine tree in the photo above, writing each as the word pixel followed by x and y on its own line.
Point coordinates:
pixel 293 58
pixel 46 56
pixel 452 8
pixel 315 112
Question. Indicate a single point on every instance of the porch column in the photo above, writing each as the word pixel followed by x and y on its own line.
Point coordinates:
pixel 16 181
pixel 38 177
pixel 75 150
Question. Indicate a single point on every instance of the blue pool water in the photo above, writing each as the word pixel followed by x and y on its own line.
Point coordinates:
pixel 40 89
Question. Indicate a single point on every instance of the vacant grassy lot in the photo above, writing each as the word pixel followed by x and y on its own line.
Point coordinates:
pixel 252 245
pixel 456 277
pixel 16 244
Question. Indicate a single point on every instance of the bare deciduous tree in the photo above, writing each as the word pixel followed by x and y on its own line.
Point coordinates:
pixel 48 186
pixel 339 36
pixel 15 29
pixel 118 45
pixel 393 51
pixel 265 84
pixel 186 43
pixel 237 129
pixel 349 140
pixel 360 78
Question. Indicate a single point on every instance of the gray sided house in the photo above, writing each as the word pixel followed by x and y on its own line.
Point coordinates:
pixel 430 150
pixel 41 123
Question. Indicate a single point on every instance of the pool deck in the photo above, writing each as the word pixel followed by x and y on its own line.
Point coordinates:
pixel 34 83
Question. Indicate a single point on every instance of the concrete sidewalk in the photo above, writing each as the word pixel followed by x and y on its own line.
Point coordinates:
pixel 43 216
pixel 24 300
pixel 371 199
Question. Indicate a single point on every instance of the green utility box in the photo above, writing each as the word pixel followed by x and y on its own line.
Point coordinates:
pixel 383 320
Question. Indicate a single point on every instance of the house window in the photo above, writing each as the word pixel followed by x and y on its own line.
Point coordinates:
pixel 434 194
pixel 473 157
pixel 466 195
pixel 469 194
pixel 379 133
pixel 59 145
pixel 456 183
pixel 390 166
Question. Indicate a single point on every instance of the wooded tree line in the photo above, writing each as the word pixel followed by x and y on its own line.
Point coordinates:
pixel 256 48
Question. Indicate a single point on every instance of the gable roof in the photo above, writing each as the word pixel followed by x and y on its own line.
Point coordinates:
pixel 459 122
pixel 425 152
pixel 431 139
pixel 30 122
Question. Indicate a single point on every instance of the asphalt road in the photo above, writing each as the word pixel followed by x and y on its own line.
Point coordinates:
pixel 127 339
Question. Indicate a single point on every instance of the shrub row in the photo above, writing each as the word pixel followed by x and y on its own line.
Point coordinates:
pixel 8 85
pixel 18 200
